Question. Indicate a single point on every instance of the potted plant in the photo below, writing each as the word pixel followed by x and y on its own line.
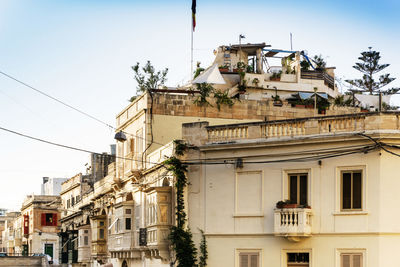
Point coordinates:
pixel 277 101
pixel 223 68
pixel 256 81
pixel 286 204
pixel 276 76
pixel 240 67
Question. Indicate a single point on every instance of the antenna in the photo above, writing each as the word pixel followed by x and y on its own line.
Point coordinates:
pixel 291 44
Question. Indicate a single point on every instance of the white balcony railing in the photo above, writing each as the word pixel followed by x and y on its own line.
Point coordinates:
pixel 293 222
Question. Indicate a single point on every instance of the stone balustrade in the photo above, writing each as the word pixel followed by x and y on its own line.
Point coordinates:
pixel 357 122
pixel 292 222
pixel 228 133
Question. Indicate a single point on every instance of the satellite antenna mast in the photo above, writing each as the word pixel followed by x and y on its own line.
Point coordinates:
pixel 291 44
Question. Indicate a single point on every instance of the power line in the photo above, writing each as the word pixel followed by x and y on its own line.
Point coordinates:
pixel 69 106
pixel 66 146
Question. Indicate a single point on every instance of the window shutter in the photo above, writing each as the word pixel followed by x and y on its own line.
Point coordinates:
pixel 254 260
pixel 132 145
pixel 243 260
pixel 356 260
pixel 345 260
pixel 54 219
pixel 43 219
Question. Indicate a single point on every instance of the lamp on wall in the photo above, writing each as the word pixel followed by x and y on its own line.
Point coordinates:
pixel 120 136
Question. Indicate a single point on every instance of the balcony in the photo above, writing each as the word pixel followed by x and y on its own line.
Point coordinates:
pixel 301 127
pixel 293 223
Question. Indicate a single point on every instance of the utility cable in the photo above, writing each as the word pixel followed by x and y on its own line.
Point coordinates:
pixel 68 147
pixel 69 106
pixel 298 159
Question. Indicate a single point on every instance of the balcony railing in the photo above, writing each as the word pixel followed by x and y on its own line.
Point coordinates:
pixel 319 75
pixel 336 124
pixel 293 222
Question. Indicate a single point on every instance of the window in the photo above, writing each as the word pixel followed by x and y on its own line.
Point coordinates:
pixel 249 259
pixel 49 219
pixel 68 204
pixel 351 190
pixel 128 211
pixel 298 259
pixel 351 260
pixel 86 240
pixel 101 233
pixel 127 223
pixel 298 184
pixel 72 201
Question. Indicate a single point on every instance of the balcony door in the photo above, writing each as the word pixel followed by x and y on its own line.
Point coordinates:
pixel 298 184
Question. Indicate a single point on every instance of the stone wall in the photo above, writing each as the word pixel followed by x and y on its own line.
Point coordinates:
pixel 182 105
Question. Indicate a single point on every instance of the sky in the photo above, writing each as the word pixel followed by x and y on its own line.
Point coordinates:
pixel 81 52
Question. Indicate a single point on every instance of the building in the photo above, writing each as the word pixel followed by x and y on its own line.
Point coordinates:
pixel 10 227
pixel 124 216
pixel 51 186
pixel 316 191
pixel 78 215
pixel 40 215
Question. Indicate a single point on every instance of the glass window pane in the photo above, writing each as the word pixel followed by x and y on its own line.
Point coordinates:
pixel 357 190
pixel 346 190
pixel 293 189
pixel 303 190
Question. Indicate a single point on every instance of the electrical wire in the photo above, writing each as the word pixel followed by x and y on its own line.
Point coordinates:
pixel 67 146
pixel 71 107
pixel 339 153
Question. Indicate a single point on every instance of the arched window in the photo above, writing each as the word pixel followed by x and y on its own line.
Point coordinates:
pixel 124 264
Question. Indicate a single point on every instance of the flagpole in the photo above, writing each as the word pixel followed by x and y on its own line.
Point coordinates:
pixel 191 51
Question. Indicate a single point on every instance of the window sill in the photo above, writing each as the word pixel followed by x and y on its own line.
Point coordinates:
pixel 239 215
pixel 354 212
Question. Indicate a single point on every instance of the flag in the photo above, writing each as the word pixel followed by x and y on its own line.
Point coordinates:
pixel 193 14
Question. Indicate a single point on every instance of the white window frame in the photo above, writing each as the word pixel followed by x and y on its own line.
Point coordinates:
pixel 257 214
pixel 285 183
pixel 249 250
pixel 364 189
pixel 284 253
pixel 340 251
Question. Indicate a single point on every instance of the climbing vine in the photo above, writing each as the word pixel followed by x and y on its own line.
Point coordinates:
pixel 203 250
pixel 181 238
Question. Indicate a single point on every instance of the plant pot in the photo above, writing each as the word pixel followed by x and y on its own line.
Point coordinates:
pixel 278 103
pixel 300 106
pixel 290 206
pixel 223 70
pixel 275 79
pixel 309 106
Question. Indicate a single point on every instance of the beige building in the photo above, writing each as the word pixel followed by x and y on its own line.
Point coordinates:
pixel 11 233
pixel 40 217
pixel 304 192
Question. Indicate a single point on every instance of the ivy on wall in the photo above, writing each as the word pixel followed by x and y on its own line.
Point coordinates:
pixel 181 237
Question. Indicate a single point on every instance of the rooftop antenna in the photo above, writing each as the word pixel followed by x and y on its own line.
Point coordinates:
pixel 291 44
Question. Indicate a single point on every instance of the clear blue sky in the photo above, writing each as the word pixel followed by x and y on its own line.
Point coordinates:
pixel 81 52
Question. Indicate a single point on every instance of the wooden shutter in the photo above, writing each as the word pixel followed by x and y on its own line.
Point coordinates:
pixel 254 260
pixel 249 259
pixel 43 219
pixel 345 260
pixel 243 260
pixel 54 219
pixel 357 260
pixel 132 145
pixel 26 224
pixel 351 260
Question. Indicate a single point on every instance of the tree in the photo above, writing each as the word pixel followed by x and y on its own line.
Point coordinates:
pixel 368 66
pixel 147 77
